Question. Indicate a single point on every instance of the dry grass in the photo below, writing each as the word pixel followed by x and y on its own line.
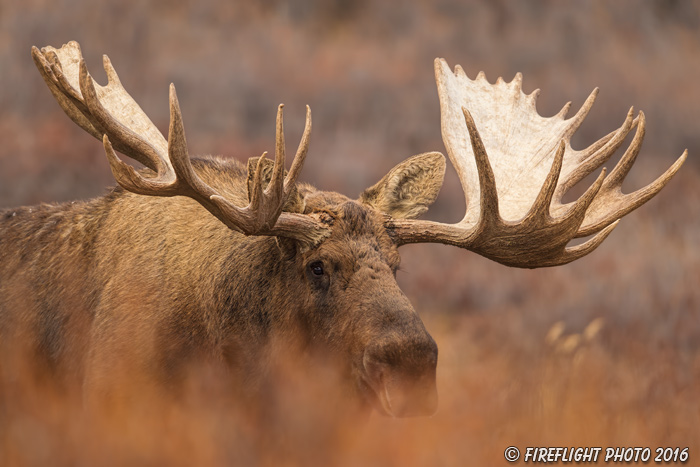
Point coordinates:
pixel 365 69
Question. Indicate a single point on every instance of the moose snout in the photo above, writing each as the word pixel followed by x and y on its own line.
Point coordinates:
pixel 402 377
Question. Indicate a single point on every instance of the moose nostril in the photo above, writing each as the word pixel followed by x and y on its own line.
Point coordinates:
pixel 413 355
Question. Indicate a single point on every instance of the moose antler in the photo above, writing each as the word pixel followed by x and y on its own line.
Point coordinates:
pixel 515 213
pixel 110 114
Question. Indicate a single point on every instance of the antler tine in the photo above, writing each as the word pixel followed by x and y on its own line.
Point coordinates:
pixel 276 186
pixel 540 209
pixel 256 194
pixel 576 121
pixel 623 167
pixel 300 155
pixel 599 157
pixel 487 183
pixel 579 251
pixel 179 157
pixel 579 209
pixel 593 150
pixel 112 76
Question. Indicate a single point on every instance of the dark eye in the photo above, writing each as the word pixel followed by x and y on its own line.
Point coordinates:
pixel 316 268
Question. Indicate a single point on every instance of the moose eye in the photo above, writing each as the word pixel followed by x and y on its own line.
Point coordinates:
pixel 316 268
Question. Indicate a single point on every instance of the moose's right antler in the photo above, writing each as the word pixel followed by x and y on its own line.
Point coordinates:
pixel 515 213
pixel 111 115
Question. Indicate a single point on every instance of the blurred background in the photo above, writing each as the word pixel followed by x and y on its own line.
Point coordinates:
pixel 601 352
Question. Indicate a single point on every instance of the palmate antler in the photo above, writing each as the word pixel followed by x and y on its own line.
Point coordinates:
pixel 112 116
pixel 516 168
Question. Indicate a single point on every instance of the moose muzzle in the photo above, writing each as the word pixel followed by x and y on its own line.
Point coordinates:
pixel 401 375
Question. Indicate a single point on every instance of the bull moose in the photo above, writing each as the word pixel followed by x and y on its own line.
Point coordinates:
pixel 205 258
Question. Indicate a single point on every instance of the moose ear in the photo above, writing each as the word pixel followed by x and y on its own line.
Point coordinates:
pixel 409 188
pixel 295 203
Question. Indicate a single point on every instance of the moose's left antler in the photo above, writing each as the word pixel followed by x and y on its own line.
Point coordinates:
pixel 516 169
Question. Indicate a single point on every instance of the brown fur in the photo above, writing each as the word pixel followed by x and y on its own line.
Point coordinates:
pixel 151 285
